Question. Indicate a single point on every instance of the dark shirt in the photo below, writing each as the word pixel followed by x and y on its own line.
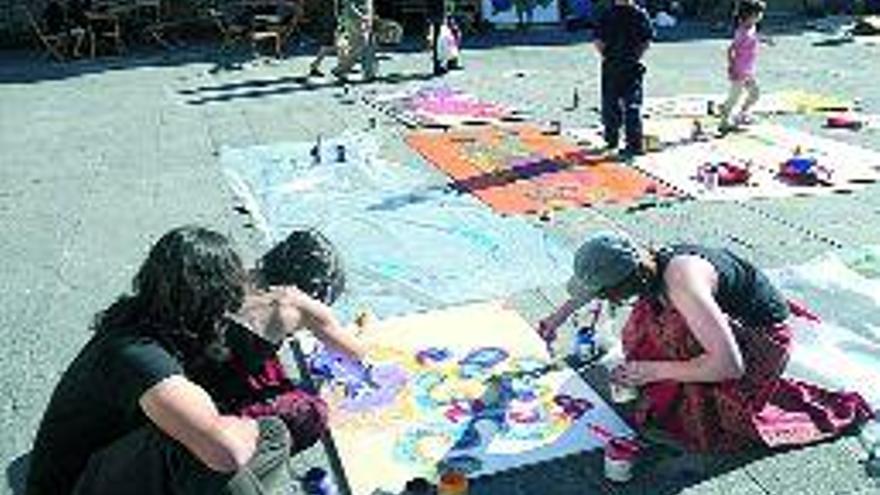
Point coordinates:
pixel 53 17
pixel 624 30
pixel 95 403
pixel 744 293
pixel 436 10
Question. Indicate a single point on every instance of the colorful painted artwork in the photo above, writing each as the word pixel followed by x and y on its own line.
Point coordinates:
pixel 763 148
pixel 780 102
pixel 440 106
pixel 409 242
pixel 520 169
pixel 473 388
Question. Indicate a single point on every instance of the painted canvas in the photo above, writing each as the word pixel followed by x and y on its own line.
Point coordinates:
pixel 440 106
pixel 843 350
pixel 841 167
pixel 779 102
pixel 409 241
pixel 470 387
pixel 522 169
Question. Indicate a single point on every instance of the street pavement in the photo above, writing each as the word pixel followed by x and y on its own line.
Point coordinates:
pixel 101 157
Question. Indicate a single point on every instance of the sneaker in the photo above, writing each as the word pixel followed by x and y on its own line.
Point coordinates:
pixel 726 128
pixel 315 72
pixel 631 152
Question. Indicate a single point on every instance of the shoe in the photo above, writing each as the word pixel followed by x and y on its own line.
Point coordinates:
pixel 726 128
pixel 454 65
pixel 631 152
pixel 315 72
pixel 440 71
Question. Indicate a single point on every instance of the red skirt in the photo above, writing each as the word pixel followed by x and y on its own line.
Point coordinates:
pixel 761 408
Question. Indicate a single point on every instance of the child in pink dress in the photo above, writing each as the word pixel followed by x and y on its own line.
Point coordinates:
pixel 742 57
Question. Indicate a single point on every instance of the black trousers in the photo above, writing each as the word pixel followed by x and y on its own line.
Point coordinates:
pixel 148 462
pixel 622 105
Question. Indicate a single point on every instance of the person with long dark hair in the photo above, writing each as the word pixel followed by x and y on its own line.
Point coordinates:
pixel 126 416
pixel 706 345
pixel 253 382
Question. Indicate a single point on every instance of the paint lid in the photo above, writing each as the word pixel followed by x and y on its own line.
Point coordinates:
pixel 622 449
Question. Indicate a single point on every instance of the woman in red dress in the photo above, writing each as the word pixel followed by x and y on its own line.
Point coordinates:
pixel 706 343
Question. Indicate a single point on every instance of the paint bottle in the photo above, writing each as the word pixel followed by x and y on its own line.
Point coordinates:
pixel 620 457
pixel 452 483
pixel 318 482
pixel 316 150
pixel 418 486
pixel 575 99
pixel 340 153
pixel 710 176
pixel 585 344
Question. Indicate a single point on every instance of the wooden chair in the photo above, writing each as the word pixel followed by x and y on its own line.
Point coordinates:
pixel 105 26
pixel 54 44
pixel 230 31
pixel 277 28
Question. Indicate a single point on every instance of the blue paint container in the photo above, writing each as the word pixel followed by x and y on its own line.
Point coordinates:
pixel 801 164
pixel 318 482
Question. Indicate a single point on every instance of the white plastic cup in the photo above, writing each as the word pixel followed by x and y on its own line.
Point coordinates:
pixel 620 457
pixel 621 394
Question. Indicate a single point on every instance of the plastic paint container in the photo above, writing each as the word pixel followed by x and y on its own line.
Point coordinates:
pixel 317 482
pixel 800 164
pixel 452 483
pixel 621 394
pixel 418 486
pixel 620 457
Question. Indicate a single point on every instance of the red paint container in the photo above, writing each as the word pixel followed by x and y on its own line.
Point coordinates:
pixel 620 457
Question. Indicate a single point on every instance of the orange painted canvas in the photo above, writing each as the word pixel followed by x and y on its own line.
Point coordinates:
pixel 521 169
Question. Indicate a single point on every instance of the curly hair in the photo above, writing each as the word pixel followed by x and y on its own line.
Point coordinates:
pixel 190 279
pixel 307 260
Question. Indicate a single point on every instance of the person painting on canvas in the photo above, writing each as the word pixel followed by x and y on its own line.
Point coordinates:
pixel 742 61
pixel 131 407
pixel 706 344
pixel 252 381
pixel 623 34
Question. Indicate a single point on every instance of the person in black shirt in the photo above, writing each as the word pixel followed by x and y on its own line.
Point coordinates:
pixel 623 34
pixel 436 15
pixel 127 415
pixel 706 345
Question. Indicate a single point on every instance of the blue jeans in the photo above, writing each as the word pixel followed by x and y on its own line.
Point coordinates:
pixel 622 105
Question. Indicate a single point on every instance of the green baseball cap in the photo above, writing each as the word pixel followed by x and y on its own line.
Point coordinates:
pixel 604 260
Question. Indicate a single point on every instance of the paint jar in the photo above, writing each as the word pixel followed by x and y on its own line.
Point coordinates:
pixel 418 486
pixel 340 153
pixel 452 483
pixel 585 344
pixel 621 394
pixel 620 457
pixel 318 482
pixel 710 176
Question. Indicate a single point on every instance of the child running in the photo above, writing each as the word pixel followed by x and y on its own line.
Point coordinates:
pixel 742 58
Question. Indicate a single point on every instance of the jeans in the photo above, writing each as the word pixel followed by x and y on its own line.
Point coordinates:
pixel 148 462
pixel 622 105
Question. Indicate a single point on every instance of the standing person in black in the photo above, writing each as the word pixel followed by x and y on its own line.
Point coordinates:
pixel 436 15
pixel 623 34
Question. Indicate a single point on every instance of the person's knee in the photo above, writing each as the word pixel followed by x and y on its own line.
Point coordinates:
pixel 305 417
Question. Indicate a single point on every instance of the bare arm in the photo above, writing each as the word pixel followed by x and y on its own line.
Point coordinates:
pixel 186 413
pixel 691 282
pixel 547 327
